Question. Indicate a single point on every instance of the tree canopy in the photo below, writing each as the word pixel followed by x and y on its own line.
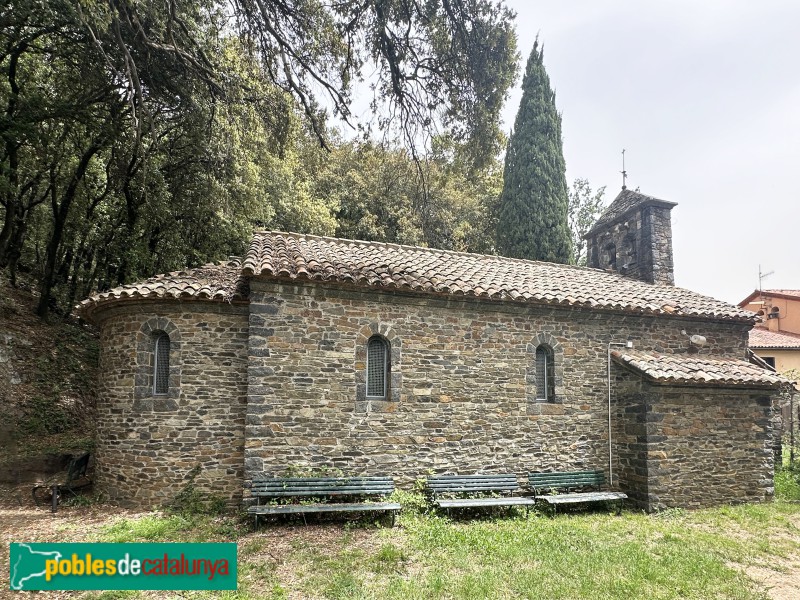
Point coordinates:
pixel 532 212
pixel 140 137
pixel 585 207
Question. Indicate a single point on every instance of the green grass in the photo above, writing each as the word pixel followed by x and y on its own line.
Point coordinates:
pixel 675 554
pixel 787 483
pixel 172 528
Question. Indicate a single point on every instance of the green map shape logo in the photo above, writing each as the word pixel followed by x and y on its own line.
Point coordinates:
pixel 27 565
pixel 158 566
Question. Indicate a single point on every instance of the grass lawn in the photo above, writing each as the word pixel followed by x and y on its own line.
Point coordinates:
pixel 675 554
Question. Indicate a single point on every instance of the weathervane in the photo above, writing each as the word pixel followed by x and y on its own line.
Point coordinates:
pixel 624 172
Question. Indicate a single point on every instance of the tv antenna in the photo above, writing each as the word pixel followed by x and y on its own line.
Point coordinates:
pixel 624 172
pixel 762 276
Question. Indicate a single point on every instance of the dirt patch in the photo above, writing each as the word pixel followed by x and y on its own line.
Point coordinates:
pixel 783 580
pixel 21 521
pixel 781 584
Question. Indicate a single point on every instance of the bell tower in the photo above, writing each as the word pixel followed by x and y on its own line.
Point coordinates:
pixel 634 238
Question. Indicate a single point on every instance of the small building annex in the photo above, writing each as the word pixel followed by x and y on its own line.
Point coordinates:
pixel 376 358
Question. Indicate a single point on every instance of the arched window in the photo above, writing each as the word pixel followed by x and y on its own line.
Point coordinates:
pixel 377 368
pixel 161 364
pixel 611 256
pixel 545 374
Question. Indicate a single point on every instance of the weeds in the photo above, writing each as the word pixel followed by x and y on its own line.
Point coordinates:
pixel 787 483
pixel 308 471
pixel 191 501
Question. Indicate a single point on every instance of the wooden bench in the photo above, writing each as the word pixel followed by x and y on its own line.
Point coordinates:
pixel 477 486
pixel 278 490
pixel 52 489
pixel 542 483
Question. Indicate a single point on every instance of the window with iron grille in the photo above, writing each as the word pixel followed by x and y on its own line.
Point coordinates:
pixel 377 367
pixel 545 374
pixel 161 364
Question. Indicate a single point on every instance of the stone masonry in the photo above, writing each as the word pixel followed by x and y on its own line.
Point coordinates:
pixel 634 238
pixel 149 445
pixel 691 447
pixel 465 403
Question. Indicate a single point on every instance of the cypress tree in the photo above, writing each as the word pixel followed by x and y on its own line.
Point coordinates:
pixel 532 212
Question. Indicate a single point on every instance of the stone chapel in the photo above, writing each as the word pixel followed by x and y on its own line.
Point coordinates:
pixel 375 358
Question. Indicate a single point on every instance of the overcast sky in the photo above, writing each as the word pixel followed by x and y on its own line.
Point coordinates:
pixel 705 98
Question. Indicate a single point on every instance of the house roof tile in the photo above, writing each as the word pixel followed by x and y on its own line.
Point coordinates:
pixel 761 338
pixel 791 293
pixel 786 294
pixel 426 270
pixel 687 369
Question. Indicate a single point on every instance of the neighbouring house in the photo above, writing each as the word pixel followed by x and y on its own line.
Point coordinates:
pixel 776 338
pixel 376 358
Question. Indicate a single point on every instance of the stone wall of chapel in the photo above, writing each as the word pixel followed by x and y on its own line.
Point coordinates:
pixel 692 447
pixel 149 446
pixel 466 401
pixel 274 386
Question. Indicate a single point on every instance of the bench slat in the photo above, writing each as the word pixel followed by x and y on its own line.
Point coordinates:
pixel 285 509
pixel 454 484
pixel 567 480
pixel 476 476
pixel 476 484
pixel 587 477
pixel 331 485
pixel 587 480
pixel 317 493
pixel 473 485
pixel 277 487
pixel 478 502
pixel 473 478
pixel 322 480
pixel 586 497
pixel 320 486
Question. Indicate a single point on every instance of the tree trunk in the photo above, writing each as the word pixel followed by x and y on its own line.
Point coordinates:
pixel 60 214
pixel 13 202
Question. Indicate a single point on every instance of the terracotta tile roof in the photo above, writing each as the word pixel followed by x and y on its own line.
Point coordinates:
pixel 425 270
pixel 788 294
pixel 688 369
pixel 792 293
pixel 220 281
pixel 626 201
pixel 764 338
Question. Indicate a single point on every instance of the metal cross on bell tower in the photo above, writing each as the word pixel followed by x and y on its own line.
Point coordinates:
pixel 624 172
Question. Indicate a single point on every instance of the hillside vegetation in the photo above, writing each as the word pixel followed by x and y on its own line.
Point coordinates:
pixel 47 384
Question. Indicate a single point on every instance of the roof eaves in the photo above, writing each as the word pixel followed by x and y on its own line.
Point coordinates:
pixel 664 379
